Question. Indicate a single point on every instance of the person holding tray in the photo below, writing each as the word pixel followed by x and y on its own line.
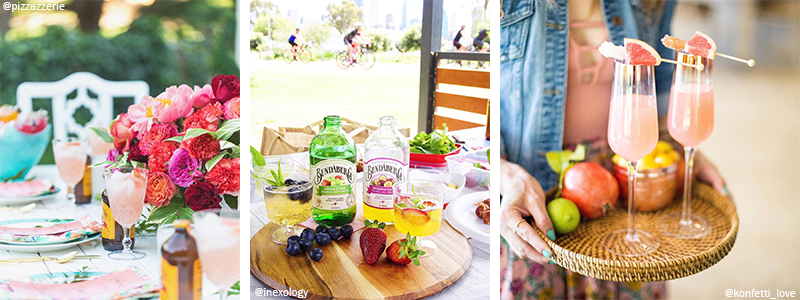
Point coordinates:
pixel 555 93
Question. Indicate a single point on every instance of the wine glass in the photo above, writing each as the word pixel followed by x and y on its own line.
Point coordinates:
pixel 217 234
pixel 690 121
pixel 288 206
pixel 418 211
pixel 70 156
pixel 632 134
pixel 126 189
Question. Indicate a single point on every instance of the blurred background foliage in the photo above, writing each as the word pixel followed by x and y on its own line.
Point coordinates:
pixel 163 43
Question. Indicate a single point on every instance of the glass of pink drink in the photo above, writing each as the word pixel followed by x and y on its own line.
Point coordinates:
pixel 70 155
pixel 632 134
pixel 126 188
pixel 690 121
pixel 217 235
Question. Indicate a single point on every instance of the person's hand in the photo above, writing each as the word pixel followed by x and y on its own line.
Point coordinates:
pixel 707 172
pixel 522 197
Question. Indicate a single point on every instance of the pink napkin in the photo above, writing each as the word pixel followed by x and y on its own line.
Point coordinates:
pixel 26 188
pixel 116 282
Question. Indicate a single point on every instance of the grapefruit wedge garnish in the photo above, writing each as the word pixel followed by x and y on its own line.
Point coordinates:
pixel 640 53
pixel 701 45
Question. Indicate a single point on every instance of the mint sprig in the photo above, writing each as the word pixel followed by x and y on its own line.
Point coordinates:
pixel 410 249
pixel 277 177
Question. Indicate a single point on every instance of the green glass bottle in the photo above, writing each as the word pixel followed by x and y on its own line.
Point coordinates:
pixel 333 174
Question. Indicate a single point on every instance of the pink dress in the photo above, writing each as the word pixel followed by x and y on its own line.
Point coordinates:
pixel 585 122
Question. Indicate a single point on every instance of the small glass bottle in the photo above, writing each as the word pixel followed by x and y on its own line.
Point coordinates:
pixel 181 272
pixel 83 190
pixel 386 158
pixel 112 232
pixel 333 174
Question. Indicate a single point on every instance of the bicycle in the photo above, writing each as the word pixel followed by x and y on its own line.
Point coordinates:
pixel 303 54
pixel 363 56
pixel 472 64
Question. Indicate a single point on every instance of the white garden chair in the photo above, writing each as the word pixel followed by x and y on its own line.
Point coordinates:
pixel 102 107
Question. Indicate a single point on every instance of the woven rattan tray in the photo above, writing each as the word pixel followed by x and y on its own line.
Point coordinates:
pixel 581 251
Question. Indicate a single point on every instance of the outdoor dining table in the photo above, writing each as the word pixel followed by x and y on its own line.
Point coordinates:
pixel 150 265
pixel 472 283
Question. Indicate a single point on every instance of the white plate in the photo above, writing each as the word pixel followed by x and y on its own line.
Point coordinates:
pixel 47 248
pixel 26 200
pixel 461 214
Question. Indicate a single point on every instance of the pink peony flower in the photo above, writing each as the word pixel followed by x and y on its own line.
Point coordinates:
pixel 232 109
pixel 201 96
pixel 174 103
pixel 121 131
pixel 141 115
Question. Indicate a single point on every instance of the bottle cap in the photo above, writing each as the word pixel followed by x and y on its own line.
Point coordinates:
pixel 181 223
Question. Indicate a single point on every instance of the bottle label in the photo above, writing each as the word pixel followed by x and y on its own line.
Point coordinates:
pixel 382 177
pixel 87 182
pixel 108 223
pixel 169 280
pixel 197 277
pixel 333 181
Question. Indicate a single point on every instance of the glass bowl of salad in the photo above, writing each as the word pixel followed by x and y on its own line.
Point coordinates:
pixel 474 165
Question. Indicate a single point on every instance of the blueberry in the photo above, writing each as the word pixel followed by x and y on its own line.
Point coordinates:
pixel 304 244
pixel 293 248
pixel 347 231
pixel 335 233
pixel 323 239
pixel 321 229
pixel 315 254
pixel 305 196
pixel 293 238
pixel 307 234
pixel 302 182
pixel 290 182
pixel 270 188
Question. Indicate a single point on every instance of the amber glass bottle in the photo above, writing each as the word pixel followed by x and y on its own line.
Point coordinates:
pixel 181 273
pixel 112 232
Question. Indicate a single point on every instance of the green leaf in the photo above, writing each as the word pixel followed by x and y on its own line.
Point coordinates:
pixel 177 138
pixel 213 161
pixel 102 134
pixel 228 128
pixel 558 160
pixel 102 164
pixel 159 213
pixel 232 201
pixel 195 132
pixel 579 154
pixel 257 158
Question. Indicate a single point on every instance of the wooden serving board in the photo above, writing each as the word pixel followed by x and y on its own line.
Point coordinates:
pixel 343 274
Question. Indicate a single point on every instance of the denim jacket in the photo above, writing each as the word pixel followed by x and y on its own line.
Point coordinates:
pixel 533 72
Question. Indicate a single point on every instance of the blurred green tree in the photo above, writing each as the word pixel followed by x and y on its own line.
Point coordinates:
pixel 317 32
pixel 411 40
pixel 343 16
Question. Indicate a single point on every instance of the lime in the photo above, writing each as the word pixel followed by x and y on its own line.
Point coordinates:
pixel 564 214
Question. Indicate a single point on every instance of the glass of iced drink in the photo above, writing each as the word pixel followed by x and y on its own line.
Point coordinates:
pixel 288 205
pixel 70 156
pixel 126 188
pixel 418 211
pixel 217 234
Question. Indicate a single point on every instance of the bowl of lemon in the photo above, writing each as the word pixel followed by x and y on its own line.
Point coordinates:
pixel 659 177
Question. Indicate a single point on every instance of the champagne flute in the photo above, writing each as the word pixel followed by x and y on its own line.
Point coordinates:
pixel 126 188
pixel 217 234
pixel 690 121
pixel 632 134
pixel 70 156
pixel 418 211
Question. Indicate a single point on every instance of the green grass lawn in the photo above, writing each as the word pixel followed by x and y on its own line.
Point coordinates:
pixel 296 94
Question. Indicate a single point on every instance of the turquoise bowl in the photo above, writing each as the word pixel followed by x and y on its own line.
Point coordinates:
pixel 20 151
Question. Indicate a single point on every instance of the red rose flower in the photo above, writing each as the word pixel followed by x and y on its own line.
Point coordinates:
pixel 206 118
pixel 225 87
pixel 225 176
pixel 136 154
pixel 232 109
pixel 157 134
pixel 203 147
pixel 160 154
pixel 202 195
pixel 160 189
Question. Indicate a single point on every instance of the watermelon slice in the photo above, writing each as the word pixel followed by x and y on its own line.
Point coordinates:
pixel 701 45
pixel 640 53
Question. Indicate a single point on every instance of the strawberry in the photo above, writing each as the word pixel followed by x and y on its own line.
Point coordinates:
pixel 372 241
pixel 405 251
pixel 415 216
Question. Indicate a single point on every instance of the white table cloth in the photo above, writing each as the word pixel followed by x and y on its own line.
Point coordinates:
pixel 474 283
pixel 150 265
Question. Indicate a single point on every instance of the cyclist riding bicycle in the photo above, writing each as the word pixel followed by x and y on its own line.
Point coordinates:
pixel 457 40
pixel 293 41
pixel 354 40
pixel 479 43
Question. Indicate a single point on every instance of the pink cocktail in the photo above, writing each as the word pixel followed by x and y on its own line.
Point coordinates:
pixel 690 121
pixel 70 156
pixel 126 189
pixel 217 236
pixel 632 134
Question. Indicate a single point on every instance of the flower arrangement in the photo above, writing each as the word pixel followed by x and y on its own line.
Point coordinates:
pixel 188 139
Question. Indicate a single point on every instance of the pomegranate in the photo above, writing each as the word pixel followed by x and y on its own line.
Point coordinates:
pixel 592 188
